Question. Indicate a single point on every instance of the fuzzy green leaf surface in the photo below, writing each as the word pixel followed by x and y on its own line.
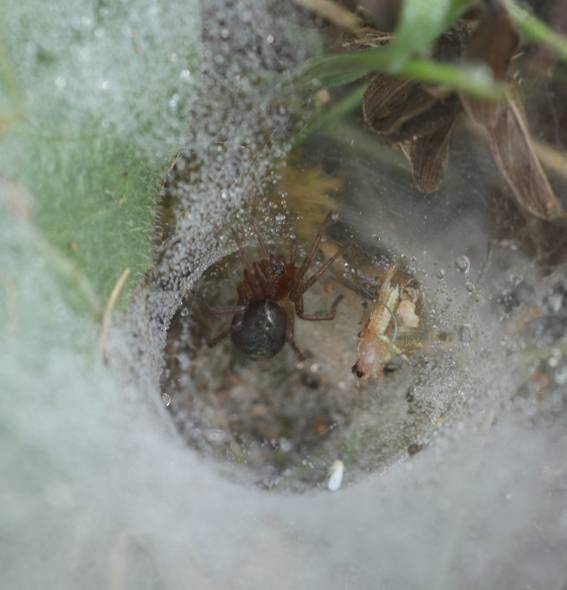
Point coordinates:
pixel 92 110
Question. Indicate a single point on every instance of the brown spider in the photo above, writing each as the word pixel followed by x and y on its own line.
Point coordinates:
pixel 270 291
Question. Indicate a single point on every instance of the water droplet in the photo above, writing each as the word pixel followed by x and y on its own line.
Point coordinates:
pixel 555 357
pixel 173 101
pixel 440 273
pixel 469 286
pixel 465 333
pixel 555 302
pixel 60 82
pixel 185 75
pixel 183 361
pixel 561 376
pixel 215 435
pixel 285 445
pixel 184 312
pixel 166 399
pixel 270 39
pixel 463 264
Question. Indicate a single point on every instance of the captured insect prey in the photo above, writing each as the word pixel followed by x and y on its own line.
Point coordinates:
pixel 393 312
pixel 269 296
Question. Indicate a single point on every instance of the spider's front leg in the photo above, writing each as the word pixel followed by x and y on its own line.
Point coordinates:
pixel 313 317
pixel 312 251
pixel 290 336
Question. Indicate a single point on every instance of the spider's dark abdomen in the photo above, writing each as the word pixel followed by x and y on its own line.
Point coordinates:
pixel 261 330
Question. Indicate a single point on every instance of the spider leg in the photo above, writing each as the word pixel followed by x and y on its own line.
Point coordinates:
pixel 311 252
pixel 238 241
pixel 301 288
pixel 223 309
pixel 226 309
pixel 264 280
pixel 214 341
pixel 250 272
pixel 292 252
pixel 317 318
pixel 290 337
pixel 263 246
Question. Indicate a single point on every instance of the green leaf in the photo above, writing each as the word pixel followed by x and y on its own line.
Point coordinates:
pixel 341 68
pixel 335 70
pixel 92 111
pixel 474 80
pixel 329 116
pixel 95 206
pixel 533 29
pixel 422 21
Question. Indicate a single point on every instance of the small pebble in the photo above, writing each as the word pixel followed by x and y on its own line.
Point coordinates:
pixel 335 475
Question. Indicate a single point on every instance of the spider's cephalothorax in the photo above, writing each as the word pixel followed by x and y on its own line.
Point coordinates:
pixel 269 295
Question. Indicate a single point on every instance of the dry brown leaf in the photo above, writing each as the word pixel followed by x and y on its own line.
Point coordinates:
pixel 389 103
pixel 493 43
pixel 514 154
pixel 416 119
pixel 429 156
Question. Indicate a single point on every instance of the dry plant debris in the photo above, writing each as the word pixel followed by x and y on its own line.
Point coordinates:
pixel 418 119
